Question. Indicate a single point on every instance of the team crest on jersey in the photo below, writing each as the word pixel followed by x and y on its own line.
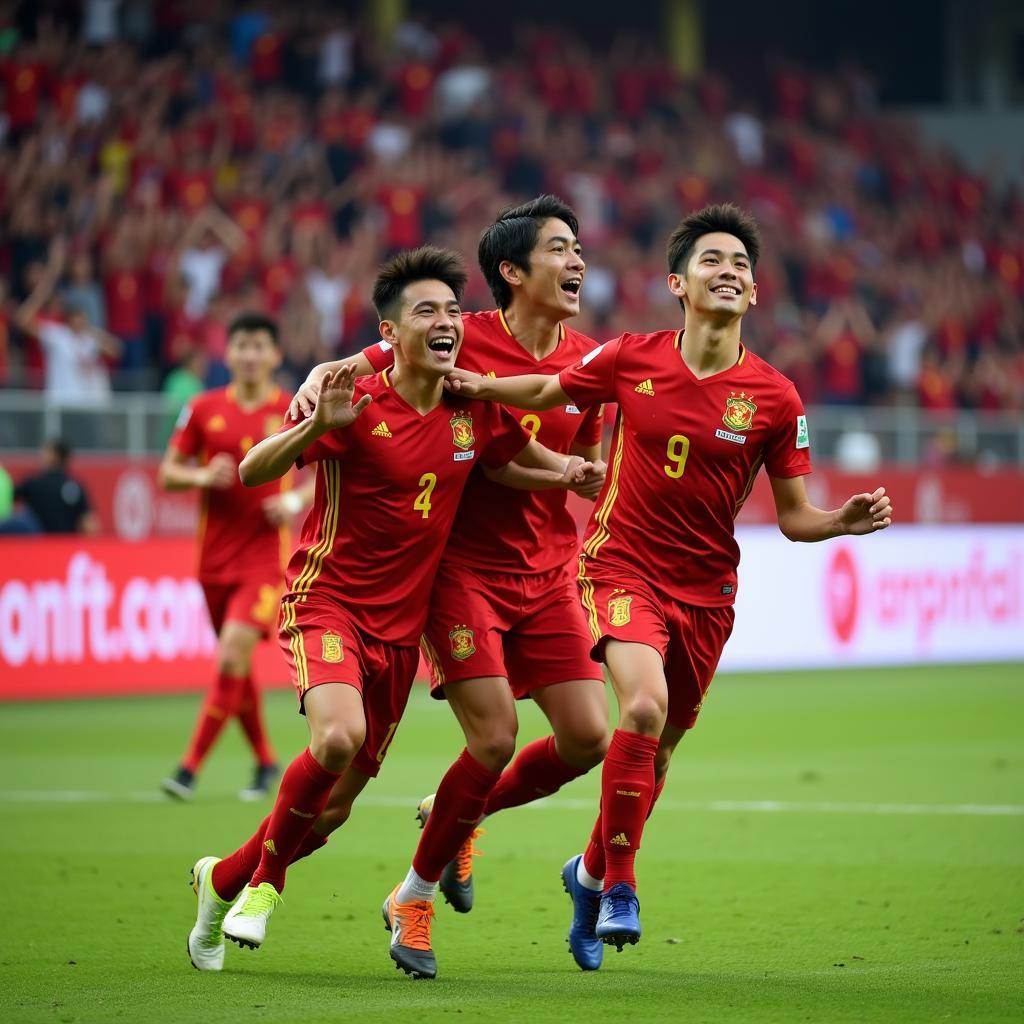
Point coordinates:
pixel 618 610
pixel 333 650
pixel 217 422
pixel 462 643
pixel 270 425
pixel 739 412
pixel 462 430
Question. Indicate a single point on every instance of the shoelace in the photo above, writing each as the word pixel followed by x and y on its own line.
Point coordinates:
pixel 416 916
pixel 259 900
pixel 467 851
pixel 622 899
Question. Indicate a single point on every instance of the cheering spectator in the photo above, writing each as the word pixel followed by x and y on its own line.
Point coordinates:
pixel 73 349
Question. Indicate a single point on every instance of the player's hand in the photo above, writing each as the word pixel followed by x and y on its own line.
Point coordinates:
pixel 463 382
pixel 334 409
pixel 575 471
pixel 219 473
pixel 304 400
pixel 590 482
pixel 279 508
pixel 866 513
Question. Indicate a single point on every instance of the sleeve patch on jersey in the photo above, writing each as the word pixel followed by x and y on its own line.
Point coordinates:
pixel 803 439
pixel 572 410
pixel 183 417
pixel 592 354
pixel 384 346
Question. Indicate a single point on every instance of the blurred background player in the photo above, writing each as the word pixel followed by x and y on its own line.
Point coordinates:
pixel 387 487
pixel 698 416
pixel 505 620
pixel 53 499
pixel 243 539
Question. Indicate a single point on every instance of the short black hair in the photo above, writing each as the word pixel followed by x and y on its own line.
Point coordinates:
pixel 60 448
pixel 253 321
pixel 427 263
pixel 723 217
pixel 513 236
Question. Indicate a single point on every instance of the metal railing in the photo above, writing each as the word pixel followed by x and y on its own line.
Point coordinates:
pixel 140 423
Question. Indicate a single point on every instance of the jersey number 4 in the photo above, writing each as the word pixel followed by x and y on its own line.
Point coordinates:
pixel 422 502
pixel 676 452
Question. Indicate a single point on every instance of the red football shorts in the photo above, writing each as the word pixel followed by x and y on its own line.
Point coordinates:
pixel 690 639
pixel 252 602
pixel 526 628
pixel 321 645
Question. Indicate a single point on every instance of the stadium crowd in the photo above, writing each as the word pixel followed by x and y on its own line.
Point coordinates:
pixel 165 164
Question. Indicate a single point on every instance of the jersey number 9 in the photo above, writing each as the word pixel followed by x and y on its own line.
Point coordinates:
pixel 676 452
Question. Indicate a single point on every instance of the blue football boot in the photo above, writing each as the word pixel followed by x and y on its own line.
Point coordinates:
pixel 586 948
pixel 618 922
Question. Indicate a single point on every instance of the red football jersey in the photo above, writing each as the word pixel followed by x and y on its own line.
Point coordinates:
pixel 684 456
pixel 236 542
pixel 387 488
pixel 496 527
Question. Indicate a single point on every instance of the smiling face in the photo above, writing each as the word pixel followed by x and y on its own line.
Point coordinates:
pixel 556 272
pixel 428 332
pixel 718 279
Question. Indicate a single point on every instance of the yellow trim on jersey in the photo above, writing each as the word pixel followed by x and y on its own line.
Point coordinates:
pixel 602 533
pixel 750 485
pixel 384 377
pixel 284 546
pixel 296 645
pixel 677 343
pixel 430 653
pixel 328 530
pixel 587 598
pixel 508 330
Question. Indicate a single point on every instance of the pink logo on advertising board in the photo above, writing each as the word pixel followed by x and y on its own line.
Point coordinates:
pixel 842 595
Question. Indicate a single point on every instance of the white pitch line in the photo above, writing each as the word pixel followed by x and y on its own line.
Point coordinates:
pixel 86 796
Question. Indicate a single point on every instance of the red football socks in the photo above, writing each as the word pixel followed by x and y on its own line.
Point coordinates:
pixel 220 706
pixel 458 807
pixel 250 715
pixel 627 787
pixel 232 874
pixel 537 771
pixel 305 789
pixel 593 856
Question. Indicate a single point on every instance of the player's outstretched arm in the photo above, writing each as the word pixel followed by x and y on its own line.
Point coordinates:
pixel 305 398
pixel 535 391
pixel 799 520
pixel 275 455
pixel 572 472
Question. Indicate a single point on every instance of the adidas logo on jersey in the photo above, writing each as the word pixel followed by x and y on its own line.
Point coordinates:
pixel 645 387
pixel 381 430
pixel 620 839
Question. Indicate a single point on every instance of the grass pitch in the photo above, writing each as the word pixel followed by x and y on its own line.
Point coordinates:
pixel 843 846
